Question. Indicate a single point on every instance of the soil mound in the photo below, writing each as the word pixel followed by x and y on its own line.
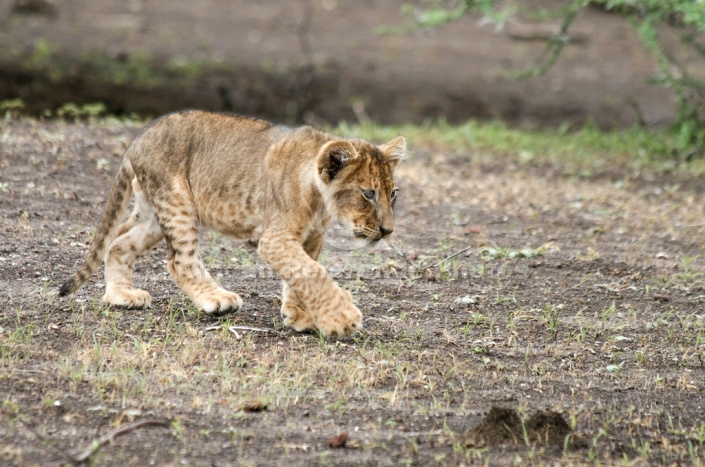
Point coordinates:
pixel 503 426
pixel 500 426
pixel 547 428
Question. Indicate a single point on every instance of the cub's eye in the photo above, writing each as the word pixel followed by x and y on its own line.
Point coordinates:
pixel 369 194
pixel 393 195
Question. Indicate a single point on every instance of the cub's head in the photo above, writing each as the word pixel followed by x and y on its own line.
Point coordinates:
pixel 356 179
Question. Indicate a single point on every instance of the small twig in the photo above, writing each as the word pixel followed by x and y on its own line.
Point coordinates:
pixel 44 445
pixel 95 445
pixel 360 113
pixel 454 255
pixel 303 29
pixel 401 253
pixel 247 328
pixel 541 32
pixel 19 370
pixel 553 49
pixel 446 259
pixel 235 328
pixel 423 268
pixel 419 433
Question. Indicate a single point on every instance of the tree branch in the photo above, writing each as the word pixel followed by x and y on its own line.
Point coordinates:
pixel 96 444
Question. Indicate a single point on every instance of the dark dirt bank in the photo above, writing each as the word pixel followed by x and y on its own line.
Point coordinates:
pixel 320 61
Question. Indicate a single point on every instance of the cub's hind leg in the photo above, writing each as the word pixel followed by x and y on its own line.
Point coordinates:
pixel 179 221
pixel 293 311
pixel 137 235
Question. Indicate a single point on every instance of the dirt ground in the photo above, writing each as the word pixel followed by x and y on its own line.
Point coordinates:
pixel 566 310
pixel 325 60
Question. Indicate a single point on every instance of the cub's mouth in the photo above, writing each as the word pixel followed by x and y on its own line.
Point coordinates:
pixel 363 236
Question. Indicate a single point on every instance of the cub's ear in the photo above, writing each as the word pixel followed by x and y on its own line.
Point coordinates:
pixel 333 157
pixel 395 150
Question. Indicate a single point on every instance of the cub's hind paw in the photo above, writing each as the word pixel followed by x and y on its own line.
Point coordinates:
pixel 219 302
pixel 128 298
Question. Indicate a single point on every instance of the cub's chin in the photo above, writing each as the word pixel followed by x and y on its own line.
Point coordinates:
pixel 362 240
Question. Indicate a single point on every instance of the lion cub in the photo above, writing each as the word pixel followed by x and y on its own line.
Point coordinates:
pixel 248 179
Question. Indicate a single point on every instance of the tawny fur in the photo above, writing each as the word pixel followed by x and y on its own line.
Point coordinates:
pixel 248 179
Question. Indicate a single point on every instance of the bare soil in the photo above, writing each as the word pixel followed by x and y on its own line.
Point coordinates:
pixel 582 297
pixel 326 60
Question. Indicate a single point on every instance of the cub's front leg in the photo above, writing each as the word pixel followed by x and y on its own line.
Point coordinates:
pixel 293 311
pixel 326 306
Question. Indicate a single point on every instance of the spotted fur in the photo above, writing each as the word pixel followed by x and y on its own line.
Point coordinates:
pixel 248 179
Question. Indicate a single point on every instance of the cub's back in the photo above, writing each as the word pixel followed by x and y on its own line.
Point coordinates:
pixel 197 136
pixel 208 148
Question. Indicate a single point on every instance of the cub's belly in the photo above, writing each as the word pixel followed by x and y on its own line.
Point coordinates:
pixel 232 219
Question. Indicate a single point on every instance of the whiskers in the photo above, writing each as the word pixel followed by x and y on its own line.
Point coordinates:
pixel 367 234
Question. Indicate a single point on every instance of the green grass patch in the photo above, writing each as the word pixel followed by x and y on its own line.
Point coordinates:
pixel 581 150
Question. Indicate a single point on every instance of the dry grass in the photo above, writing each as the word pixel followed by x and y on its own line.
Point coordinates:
pixel 578 294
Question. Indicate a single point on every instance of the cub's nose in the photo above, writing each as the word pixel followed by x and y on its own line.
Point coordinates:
pixel 384 231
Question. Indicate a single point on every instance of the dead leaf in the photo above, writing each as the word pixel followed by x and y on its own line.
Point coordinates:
pixel 474 229
pixel 338 441
pixel 253 406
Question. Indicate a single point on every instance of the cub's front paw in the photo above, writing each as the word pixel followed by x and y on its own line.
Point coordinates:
pixel 218 302
pixel 296 316
pixel 127 298
pixel 343 318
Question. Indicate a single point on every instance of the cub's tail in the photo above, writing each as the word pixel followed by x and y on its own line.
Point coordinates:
pixel 118 201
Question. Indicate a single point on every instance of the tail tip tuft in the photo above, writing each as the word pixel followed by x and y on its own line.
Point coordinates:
pixel 66 288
